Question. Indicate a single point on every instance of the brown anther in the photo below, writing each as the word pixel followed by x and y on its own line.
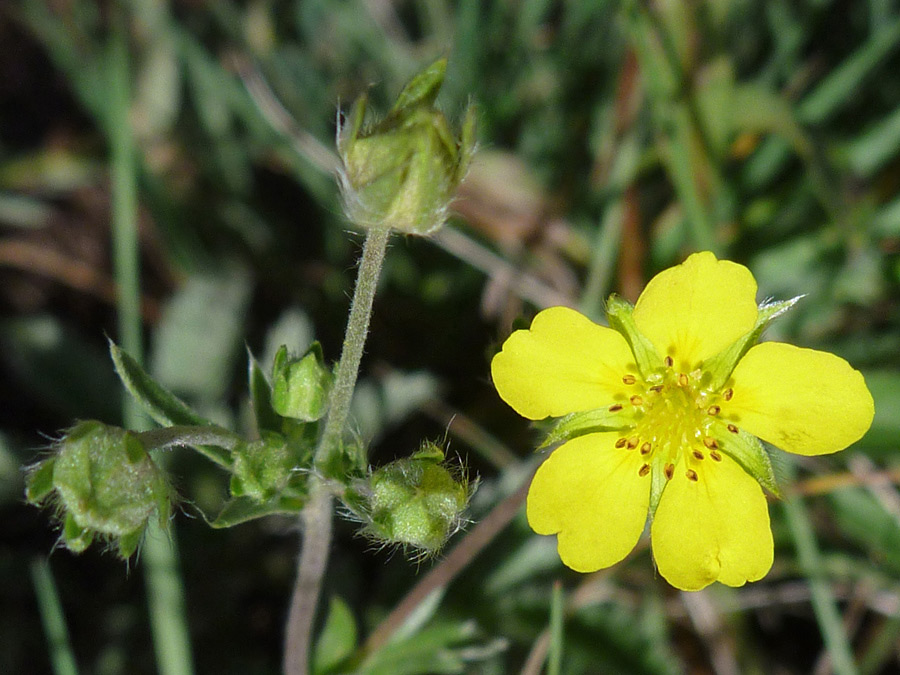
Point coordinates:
pixel 669 471
pixel 621 442
pixel 629 379
pixel 633 442
pixel 710 442
pixel 657 388
pixel 715 455
pixel 713 410
pixel 644 470
pixel 691 475
pixel 697 454
pixel 646 448
pixel 733 429
pixel 683 380
pixel 727 394
pixel 669 362
pixel 616 407
pixel 636 400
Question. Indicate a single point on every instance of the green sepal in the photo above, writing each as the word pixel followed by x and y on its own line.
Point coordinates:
pixel 128 543
pixel 422 89
pixel 301 387
pixel 261 398
pixel 723 364
pixel 748 451
pixel 75 537
pixel 658 481
pixel 587 422
pixel 39 481
pixel 343 464
pixel 243 509
pixel 161 404
pixel 467 141
pixel 620 314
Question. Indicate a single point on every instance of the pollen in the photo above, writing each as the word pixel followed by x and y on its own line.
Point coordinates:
pixel 646 448
pixel 629 379
pixel 713 410
pixel 615 408
pixel 733 429
pixel 633 442
pixel 683 380
pixel 621 442
pixel 636 400
pixel 727 394
pixel 710 443
pixel 669 471
pixel 669 362
pixel 691 475
pixel 697 454
pixel 715 455
pixel 644 470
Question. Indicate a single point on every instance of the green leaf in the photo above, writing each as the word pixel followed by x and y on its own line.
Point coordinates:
pixel 162 405
pixel 244 509
pixel 588 422
pixel 261 398
pixel 748 451
pixel 337 640
pixel 723 364
pixel 620 314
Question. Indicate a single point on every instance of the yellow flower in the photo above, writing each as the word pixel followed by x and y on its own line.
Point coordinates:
pixel 663 413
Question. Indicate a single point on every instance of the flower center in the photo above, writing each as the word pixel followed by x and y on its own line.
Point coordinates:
pixel 674 414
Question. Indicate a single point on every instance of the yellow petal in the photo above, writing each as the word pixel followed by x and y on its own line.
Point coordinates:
pixel 564 363
pixel 589 492
pixel 712 529
pixel 800 400
pixel 694 310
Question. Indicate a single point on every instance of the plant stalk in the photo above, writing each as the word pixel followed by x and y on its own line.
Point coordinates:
pixel 316 516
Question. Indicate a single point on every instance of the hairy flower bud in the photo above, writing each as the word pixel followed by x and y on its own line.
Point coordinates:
pixel 104 483
pixel 264 468
pixel 403 171
pixel 300 387
pixel 416 501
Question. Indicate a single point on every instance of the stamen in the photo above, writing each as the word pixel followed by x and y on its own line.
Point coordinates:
pixel 713 410
pixel 669 471
pixel 710 442
pixel 621 442
pixel 727 394
pixel 669 362
pixel 646 448
pixel 657 388
pixel 715 455
pixel 733 429
pixel 633 442
pixel 629 379
pixel 616 407
pixel 691 475
pixel 636 400
pixel 683 380
pixel 644 470
pixel 697 454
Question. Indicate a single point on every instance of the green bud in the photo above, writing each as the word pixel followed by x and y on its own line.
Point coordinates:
pixel 403 171
pixel 263 469
pixel 416 502
pixel 104 484
pixel 301 387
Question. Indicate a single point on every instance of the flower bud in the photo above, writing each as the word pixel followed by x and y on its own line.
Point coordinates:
pixel 301 387
pixel 104 483
pixel 262 469
pixel 403 171
pixel 417 501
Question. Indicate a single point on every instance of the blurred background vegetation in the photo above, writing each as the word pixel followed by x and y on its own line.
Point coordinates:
pixel 616 137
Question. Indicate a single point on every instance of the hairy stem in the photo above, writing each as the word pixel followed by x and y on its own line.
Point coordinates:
pixel 316 516
pixel 167 437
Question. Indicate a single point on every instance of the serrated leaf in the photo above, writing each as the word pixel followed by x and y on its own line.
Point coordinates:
pixel 748 451
pixel 243 509
pixel 337 640
pixel 723 364
pixel 620 314
pixel 588 422
pixel 161 404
